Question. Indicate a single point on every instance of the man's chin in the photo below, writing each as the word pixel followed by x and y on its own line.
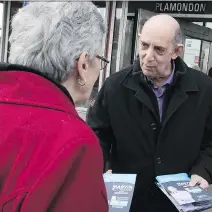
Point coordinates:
pixel 147 73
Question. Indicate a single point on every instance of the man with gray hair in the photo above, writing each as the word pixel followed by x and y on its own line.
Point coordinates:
pixel 154 117
pixel 50 159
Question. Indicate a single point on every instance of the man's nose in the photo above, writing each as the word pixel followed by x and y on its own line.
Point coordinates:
pixel 149 54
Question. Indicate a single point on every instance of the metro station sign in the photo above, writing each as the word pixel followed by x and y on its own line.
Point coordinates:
pixel 190 7
pixel 173 7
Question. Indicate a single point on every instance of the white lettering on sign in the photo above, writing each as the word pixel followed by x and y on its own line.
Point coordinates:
pixel 190 7
pixel 122 188
pixel 183 184
pixel 166 7
pixel 197 7
pixel 180 7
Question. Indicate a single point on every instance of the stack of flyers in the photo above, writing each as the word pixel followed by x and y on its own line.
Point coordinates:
pixel 120 188
pixel 186 198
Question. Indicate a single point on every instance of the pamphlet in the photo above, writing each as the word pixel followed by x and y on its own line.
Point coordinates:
pixel 120 188
pixel 184 197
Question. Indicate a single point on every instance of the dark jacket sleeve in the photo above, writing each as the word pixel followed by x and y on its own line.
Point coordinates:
pixel 203 166
pixel 98 119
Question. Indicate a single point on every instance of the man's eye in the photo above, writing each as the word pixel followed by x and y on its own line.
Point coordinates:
pixel 144 45
pixel 160 50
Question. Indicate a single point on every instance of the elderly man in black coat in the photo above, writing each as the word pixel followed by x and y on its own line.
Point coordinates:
pixel 155 116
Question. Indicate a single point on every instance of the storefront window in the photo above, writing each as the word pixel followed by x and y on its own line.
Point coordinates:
pixel 197 52
pixel 192 52
pixel 207 52
pixel 204 56
pixel 209 65
pixel 209 25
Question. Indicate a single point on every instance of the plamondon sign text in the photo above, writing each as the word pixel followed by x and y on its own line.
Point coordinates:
pixel 181 7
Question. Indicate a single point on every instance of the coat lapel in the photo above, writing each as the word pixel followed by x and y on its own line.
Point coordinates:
pixel 184 85
pixel 133 81
pixel 178 98
pixel 144 99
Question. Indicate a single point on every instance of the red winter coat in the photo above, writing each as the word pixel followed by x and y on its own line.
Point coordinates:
pixel 50 160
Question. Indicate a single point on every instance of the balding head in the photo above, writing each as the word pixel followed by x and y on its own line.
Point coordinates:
pixel 163 19
pixel 165 24
pixel 160 42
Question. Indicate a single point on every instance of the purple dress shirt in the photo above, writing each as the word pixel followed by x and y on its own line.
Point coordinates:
pixel 159 92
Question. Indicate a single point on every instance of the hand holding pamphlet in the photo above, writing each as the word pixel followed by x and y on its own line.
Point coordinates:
pixel 120 188
pixel 185 197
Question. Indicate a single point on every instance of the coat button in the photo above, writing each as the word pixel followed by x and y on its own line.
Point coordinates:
pixel 153 126
pixel 158 160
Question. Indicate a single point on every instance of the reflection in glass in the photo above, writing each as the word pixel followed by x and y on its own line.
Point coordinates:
pixel 196 54
pixel 209 25
pixel 118 13
pixel 198 23
pixel 205 52
pixel 128 42
pixel 192 52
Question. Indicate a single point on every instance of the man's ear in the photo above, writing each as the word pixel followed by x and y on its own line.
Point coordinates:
pixel 178 50
pixel 139 36
pixel 83 65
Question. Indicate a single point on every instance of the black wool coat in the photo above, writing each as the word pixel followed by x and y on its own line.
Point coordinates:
pixel 125 117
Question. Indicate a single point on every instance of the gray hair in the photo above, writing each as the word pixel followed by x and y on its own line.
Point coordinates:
pixel 178 38
pixel 50 36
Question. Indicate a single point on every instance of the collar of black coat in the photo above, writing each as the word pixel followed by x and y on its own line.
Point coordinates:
pixel 12 67
pixel 183 77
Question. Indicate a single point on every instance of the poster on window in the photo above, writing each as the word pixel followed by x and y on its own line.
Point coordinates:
pixel 196 59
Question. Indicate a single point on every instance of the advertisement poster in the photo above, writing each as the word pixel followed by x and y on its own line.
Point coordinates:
pixel 120 188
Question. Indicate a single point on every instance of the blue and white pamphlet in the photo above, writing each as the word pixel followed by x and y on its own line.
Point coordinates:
pixel 185 197
pixel 120 188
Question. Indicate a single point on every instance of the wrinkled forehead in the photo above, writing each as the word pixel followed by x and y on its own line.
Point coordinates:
pixel 157 35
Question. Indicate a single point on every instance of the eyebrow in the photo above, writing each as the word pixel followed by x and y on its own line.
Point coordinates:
pixel 155 46
pixel 160 47
pixel 146 42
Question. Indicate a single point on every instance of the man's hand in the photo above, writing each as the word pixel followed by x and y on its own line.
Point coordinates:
pixel 109 171
pixel 197 180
